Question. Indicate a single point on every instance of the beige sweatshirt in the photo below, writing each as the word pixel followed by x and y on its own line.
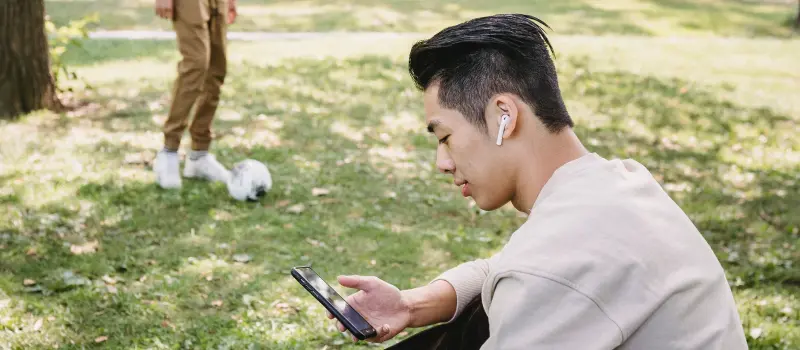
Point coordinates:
pixel 606 260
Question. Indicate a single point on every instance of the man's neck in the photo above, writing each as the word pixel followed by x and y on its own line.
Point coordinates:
pixel 549 152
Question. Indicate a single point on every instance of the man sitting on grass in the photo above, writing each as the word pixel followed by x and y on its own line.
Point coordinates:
pixel 605 259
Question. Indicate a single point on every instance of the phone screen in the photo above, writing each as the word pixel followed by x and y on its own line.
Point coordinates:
pixel 334 298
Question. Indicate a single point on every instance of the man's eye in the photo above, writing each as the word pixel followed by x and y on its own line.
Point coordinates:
pixel 444 139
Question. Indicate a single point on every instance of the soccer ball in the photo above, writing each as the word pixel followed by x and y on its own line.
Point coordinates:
pixel 249 180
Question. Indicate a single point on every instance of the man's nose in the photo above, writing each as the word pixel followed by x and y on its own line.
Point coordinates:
pixel 444 163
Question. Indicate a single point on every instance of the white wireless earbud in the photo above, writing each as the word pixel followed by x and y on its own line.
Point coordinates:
pixel 503 122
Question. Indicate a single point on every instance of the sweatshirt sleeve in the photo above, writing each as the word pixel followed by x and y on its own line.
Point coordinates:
pixel 538 312
pixel 467 280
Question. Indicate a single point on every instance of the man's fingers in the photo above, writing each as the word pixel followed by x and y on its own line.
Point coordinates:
pixel 350 281
pixel 340 326
pixel 329 314
pixel 164 12
pixel 383 333
pixel 164 8
pixel 358 282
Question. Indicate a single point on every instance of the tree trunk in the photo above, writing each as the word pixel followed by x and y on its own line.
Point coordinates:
pixel 797 20
pixel 26 83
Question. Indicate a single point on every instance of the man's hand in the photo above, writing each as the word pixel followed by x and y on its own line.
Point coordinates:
pixel 232 11
pixel 382 305
pixel 164 9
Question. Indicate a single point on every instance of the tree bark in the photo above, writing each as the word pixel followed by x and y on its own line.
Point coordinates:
pixel 797 20
pixel 26 83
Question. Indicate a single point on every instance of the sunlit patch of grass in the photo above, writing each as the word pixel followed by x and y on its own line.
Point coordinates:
pixel 752 72
pixel 770 317
pixel 638 17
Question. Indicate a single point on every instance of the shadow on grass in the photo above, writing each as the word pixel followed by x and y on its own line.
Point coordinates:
pixel 97 51
pixel 743 18
pixel 198 268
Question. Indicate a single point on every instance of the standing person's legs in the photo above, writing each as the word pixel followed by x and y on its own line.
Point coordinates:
pixel 191 29
pixel 194 43
pixel 217 69
pixel 201 164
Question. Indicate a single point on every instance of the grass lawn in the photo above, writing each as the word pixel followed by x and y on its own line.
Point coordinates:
pixel 93 254
pixel 640 17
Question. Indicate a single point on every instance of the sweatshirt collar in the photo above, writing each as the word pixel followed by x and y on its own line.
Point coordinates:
pixel 564 172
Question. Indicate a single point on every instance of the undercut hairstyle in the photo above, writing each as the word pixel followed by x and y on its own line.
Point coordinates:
pixel 475 60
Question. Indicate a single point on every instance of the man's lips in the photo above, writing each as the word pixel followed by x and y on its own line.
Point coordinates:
pixel 465 190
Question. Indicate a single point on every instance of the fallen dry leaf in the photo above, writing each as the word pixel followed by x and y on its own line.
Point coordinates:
pixel 209 278
pixel 242 258
pixel 296 209
pixel 372 262
pixel 139 158
pixel 100 339
pixel 283 203
pixel 223 216
pixel 38 325
pixel 31 251
pixel 313 242
pixel 151 262
pixel 289 225
pixel 216 303
pixel 316 191
pixel 339 249
pixel 143 278
pixel 167 324
pixel 28 282
pixel 111 289
pixel 283 307
pixel 86 248
pixel 109 280
pixel 51 318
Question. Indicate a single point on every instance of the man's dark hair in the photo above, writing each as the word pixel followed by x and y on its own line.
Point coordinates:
pixel 477 59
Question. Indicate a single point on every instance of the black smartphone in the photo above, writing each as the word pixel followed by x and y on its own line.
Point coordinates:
pixel 336 305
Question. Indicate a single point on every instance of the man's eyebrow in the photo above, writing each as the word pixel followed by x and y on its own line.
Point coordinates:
pixel 432 125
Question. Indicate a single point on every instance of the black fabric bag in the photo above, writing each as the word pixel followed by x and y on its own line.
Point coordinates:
pixel 467 332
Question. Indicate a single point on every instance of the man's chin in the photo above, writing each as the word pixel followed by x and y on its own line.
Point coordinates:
pixel 487 205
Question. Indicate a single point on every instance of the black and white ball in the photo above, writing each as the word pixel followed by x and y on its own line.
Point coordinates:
pixel 249 180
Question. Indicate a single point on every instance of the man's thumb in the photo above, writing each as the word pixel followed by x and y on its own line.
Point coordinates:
pixel 356 282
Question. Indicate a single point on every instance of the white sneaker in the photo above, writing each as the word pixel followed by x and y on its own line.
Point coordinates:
pixel 167 169
pixel 206 167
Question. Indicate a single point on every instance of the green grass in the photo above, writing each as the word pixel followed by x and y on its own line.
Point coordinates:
pixel 639 17
pixel 714 119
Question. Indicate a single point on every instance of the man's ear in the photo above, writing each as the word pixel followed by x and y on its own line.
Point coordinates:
pixel 502 105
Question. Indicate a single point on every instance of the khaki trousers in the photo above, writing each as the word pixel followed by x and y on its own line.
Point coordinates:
pixel 201 28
